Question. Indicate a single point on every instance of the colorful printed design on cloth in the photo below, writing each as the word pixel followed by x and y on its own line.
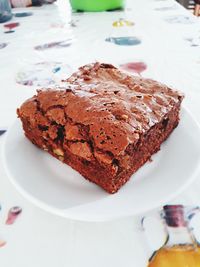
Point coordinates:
pixel 194 42
pixel 2 132
pixel 125 40
pixel 60 25
pixel 13 214
pixel 23 14
pixel 43 74
pixel 3 45
pixel 73 23
pixel 11 26
pixel 180 19
pixel 61 44
pixel 166 8
pixel 122 22
pixel 2 243
pixel 134 67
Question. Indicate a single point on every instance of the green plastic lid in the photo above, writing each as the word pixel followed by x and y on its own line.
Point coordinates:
pixel 96 5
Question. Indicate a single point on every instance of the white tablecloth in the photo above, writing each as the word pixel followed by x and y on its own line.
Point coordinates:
pixel 171 49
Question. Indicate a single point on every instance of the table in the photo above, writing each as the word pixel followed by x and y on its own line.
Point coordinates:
pixel 170 48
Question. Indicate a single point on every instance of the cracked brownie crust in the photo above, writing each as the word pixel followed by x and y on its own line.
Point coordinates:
pixel 104 123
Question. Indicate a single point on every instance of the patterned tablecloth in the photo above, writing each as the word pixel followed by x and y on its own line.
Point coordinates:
pixel 41 49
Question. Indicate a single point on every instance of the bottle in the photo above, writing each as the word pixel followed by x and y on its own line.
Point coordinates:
pixel 123 33
pixel 5 11
pixel 181 248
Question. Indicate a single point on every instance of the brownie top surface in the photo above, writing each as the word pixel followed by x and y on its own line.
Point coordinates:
pixel 115 107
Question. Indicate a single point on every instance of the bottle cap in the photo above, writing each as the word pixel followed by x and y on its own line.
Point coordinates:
pixel 174 215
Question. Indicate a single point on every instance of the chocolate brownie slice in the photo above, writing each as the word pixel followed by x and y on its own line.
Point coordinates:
pixel 104 123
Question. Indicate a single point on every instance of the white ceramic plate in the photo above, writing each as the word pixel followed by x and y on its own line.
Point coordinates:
pixel 57 188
